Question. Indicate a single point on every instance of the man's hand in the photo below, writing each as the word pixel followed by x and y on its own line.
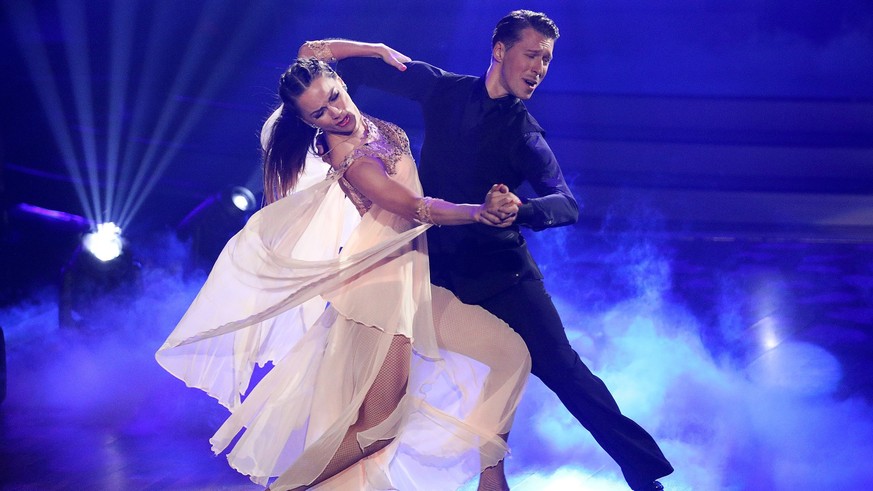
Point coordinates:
pixel 500 207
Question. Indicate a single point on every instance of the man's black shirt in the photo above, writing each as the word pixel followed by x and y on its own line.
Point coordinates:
pixel 472 142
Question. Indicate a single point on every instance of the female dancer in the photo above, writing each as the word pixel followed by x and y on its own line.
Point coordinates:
pixel 380 380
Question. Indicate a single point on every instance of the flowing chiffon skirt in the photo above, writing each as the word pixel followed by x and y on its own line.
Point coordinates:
pixel 334 323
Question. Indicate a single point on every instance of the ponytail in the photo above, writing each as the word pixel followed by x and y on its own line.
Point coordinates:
pixel 285 154
pixel 290 138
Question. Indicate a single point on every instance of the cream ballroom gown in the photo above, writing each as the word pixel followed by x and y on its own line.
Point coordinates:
pixel 328 313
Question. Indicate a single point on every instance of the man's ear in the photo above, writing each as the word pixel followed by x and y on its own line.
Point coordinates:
pixel 498 52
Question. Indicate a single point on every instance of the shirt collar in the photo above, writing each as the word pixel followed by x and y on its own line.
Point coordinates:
pixel 488 103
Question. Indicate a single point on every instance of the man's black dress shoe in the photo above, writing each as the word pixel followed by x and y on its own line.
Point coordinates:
pixel 652 486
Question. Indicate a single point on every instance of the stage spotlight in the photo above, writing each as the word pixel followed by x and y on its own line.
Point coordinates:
pixel 209 226
pixel 105 243
pixel 101 275
pixel 243 199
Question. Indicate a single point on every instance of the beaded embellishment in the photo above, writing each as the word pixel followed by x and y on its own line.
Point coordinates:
pixel 322 50
pixel 422 211
pixel 385 142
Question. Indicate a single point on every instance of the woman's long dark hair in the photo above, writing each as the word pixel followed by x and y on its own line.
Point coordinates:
pixel 291 138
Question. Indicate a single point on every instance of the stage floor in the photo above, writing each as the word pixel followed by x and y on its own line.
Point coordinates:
pixel 749 359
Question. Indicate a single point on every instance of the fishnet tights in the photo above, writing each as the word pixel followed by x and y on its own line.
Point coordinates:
pixel 381 400
pixel 494 344
pixel 454 325
pixel 493 478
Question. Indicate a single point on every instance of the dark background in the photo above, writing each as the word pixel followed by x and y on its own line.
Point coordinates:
pixel 720 280
pixel 729 118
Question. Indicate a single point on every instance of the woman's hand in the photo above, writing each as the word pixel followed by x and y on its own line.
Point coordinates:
pixel 331 50
pixel 500 207
pixel 392 57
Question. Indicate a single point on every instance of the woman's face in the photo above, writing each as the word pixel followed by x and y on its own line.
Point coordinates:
pixel 327 105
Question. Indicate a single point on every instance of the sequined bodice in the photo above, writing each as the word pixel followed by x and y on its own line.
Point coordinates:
pixel 385 142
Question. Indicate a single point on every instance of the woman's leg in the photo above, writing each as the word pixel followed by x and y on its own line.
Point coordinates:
pixel 493 478
pixel 381 400
pixel 475 333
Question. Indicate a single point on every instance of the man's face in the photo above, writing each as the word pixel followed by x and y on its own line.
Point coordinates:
pixel 523 66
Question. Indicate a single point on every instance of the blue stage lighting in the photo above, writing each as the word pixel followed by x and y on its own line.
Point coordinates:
pixel 101 271
pixel 208 226
pixel 105 243
pixel 243 199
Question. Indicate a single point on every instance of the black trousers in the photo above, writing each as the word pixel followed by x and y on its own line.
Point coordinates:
pixel 529 310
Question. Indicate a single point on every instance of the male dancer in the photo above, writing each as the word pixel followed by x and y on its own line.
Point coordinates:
pixel 477 133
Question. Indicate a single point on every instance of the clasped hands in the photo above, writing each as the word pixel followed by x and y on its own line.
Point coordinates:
pixel 500 208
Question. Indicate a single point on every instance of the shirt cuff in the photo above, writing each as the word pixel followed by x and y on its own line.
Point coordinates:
pixel 525 213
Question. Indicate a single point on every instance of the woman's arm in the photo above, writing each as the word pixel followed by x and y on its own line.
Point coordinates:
pixel 368 176
pixel 331 50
